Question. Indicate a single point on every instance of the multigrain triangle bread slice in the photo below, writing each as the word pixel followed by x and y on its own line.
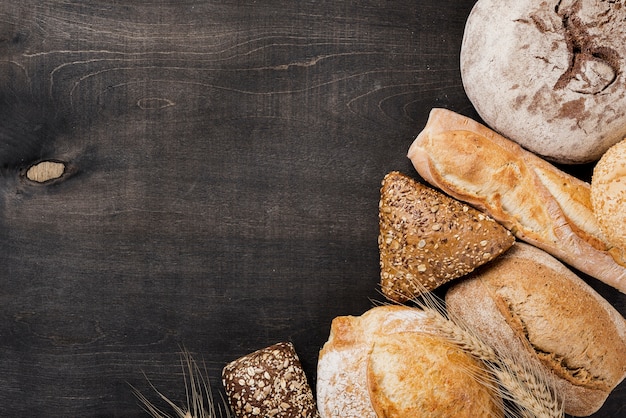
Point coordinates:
pixel 427 238
pixel 539 203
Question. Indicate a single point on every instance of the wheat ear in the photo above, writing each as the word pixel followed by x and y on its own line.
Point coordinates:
pixel 199 402
pixel 529 389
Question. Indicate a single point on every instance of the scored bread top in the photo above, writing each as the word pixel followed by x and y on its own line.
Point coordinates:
pixel 427 238
pixel 529 302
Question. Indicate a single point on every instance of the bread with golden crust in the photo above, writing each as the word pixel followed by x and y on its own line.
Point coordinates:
pixel 388 363
pixel 533 307
pixel 539 203
pixel 427 238
pixel 608 197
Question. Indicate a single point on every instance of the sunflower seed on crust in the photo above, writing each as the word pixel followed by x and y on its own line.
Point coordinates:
pixel 427 238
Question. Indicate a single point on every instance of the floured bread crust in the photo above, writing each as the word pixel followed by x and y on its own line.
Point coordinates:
pixel 386 364
pixel 539 203
pixel 549 75
pixel 529 303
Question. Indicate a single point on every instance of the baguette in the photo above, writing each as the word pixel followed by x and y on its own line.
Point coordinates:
pixel 536 201
pixel 532 307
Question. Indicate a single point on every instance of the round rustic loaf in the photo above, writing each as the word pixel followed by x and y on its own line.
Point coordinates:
pixel 608 198
pixel 535 309
pixel 388 363
pixel 549 74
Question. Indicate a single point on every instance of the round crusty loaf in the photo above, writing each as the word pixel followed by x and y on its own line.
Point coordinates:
pixel 384 364
pixel 608 197
pixel 549 74
pixel 533 307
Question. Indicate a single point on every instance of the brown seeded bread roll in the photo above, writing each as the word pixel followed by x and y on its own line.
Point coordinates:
pixel 533 307
pixel 269 383
pixel 608 197
pixel 385 363
pixel 427 238
pixel 539 203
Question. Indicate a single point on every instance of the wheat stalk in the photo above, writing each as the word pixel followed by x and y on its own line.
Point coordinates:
pixel 199 402
pixel 529 389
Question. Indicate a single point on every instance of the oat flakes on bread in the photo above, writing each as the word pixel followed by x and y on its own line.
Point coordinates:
pixel 427 238
pixel 608 197
pixel 539 203
pixel 269 383
pixel 387 363
pixel 549 74
pixel 531 306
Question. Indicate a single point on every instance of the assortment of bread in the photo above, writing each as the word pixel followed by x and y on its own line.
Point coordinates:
pixel 520 333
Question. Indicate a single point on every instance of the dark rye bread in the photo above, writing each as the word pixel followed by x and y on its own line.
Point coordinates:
pixel 528 303
pixel 427 238
pixel 269 383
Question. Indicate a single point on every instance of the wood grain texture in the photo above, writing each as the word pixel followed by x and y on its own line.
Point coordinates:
pixel 222 170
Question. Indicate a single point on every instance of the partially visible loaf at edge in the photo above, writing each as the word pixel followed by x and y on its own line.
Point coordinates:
pixel 539 203
pixel 528 303
pixel 608 197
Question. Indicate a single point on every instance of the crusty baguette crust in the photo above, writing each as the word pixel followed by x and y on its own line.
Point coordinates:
pixel 530 305
pixel 539 203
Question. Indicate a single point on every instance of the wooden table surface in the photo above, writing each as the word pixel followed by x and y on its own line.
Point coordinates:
pixel 222 167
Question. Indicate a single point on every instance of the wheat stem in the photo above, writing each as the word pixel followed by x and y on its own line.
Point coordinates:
pixel 529 389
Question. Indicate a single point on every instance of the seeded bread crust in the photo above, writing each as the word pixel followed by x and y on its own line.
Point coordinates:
pixel 269 383
pixel 531 305
pixel 427 239
pixel 608 197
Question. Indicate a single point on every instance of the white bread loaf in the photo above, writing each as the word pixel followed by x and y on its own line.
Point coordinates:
pixel 539 203
pixel 387 363
pixel 549 74
pixel 534 308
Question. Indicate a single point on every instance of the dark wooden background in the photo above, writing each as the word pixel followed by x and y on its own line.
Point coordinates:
pixel 223 169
